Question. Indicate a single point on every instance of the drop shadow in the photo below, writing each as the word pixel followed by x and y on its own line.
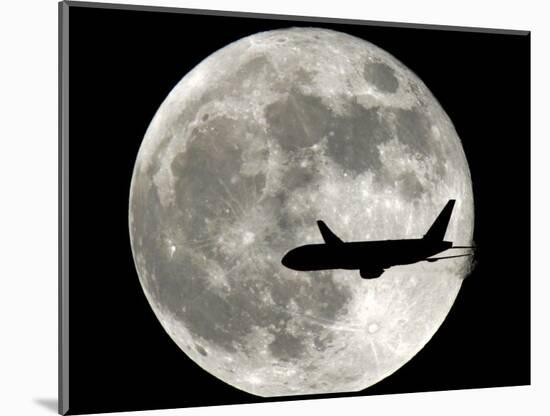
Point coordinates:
pixel 48 404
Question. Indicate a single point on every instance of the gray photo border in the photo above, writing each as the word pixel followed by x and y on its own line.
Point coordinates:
pixel 63 208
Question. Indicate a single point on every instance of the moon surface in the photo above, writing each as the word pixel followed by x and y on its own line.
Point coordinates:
pixel 249 149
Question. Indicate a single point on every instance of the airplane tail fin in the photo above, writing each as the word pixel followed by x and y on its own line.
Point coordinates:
pixel 439 227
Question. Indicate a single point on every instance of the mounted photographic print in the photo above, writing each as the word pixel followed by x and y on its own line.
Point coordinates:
pixel 267 208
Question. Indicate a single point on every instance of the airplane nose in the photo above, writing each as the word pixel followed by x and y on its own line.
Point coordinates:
pixel 284 260
pixel 287 260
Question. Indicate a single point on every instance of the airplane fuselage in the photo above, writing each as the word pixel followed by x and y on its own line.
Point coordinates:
pixel 371 258
pixel 362 254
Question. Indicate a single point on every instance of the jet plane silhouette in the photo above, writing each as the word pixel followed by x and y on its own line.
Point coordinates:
pixel 371 258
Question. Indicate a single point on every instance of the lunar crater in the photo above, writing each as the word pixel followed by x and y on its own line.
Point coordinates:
pixel 381 76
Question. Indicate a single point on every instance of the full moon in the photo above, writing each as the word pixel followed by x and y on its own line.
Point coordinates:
pixel 256 143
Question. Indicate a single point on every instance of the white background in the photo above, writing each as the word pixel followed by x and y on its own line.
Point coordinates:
pixel 28 220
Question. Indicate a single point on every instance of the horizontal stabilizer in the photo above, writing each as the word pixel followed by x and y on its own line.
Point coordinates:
pixel 434 259
pixel 328 236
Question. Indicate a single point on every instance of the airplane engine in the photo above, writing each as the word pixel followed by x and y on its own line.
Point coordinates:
pixel 371 274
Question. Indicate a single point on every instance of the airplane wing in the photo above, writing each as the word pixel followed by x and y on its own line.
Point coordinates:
pixel 328 236
pixel 433 259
